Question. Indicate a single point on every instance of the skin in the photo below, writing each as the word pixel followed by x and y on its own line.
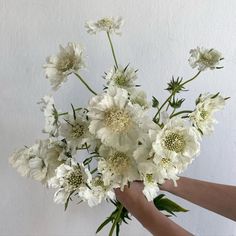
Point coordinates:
pixel 218 198
pixel 133 199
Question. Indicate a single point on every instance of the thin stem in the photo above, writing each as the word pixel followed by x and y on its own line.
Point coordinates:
pixel 66 113
pixel 87 86
pixel 116 219
pixel 180 112
pixel 194 77
pixel 166 101
pixel 112 49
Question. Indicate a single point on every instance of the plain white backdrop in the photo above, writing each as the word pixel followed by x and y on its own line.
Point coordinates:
pixel 157 37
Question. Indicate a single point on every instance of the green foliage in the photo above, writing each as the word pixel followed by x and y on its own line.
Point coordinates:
pixel 155 102
pixel 175 85
pixel 176 103
pixel 164 204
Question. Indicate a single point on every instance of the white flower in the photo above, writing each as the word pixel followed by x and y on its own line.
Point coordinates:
pixel 107 24
pixel 178 139
pixel 96 192
pixel 114 119
pixel 117 167
pixel 75 130
pixel 20 161
pixel 38 161
pixel 69 178
pixel 139 97
pixel 68 60
pixel 204 58
pixel 51 115
pixel 153 169
pixel 121 77
pixel 203 116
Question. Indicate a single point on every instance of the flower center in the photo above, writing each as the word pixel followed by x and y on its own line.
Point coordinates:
pixel 121 80
pixel 204 114
pixel 65 63
pixel 105 22
pixel 117 120
pixel 75 179
pixel 118 162
pixel 174 142
pixel 165 162
pixel 98 181
pixel 77 131
pixel 149 178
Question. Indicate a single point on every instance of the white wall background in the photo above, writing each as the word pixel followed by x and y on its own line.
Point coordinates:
pixel 156 39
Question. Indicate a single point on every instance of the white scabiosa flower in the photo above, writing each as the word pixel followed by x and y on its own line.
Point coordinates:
pixel 108 24
pixel 68 179
pixel 203 116
pixel 38 161
pixel 96 192
pixel 178 138
pixel 68 60
pixel 51 115
pixel 121 77
pixel 204 58
pixel 139 97
pixel 117 167
pixel 75 130
pixel 153 169
pixel 114 119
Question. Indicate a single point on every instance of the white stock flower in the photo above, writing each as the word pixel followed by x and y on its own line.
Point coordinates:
pixel 68 60
pixel 38 161
pixel 75 130
pixel 96 192
pixel 178 139
pixel 117 167
pixel 114 119
pixel 204 58
pixel 203 116
pixel 68 179
pixel 51 116
pixel 121 77
pixel 107 24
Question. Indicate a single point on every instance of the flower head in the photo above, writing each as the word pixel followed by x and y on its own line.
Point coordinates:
pixel 178 139
pixel 121 77
pixel 75 130
pixel 114 119
pixel 107 24
pixel 38 161
pixel 204 58
pixel 51 115
pixel 69 178
pixel 68 60
pixel 203 116
pixel 117 167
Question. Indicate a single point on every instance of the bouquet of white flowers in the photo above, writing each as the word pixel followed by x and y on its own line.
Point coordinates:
pixel 113 141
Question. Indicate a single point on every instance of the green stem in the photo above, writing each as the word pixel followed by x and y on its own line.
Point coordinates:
pixel 180 112
pixel 116 220
pixel 87 86
pixel 66 113
pixel 194 77
pixel 166 101
pixel 112 49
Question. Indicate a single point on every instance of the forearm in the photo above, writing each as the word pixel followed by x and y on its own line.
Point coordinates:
pixel 155 222
pixel 218 198
pixel 147 214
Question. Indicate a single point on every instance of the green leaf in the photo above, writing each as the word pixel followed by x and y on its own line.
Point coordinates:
pixel 155 102
pixel 67 200
pixel 104 223
pixel 164 204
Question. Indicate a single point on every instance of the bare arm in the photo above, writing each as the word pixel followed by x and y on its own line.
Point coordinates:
pixel 218 198
pixel 146 213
